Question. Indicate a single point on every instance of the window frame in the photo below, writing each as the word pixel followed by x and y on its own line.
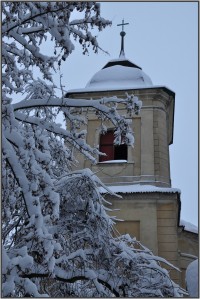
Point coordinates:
pixel 108 147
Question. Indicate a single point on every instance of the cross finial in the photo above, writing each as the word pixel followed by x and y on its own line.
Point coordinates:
pixel 122 33
pixel 123 24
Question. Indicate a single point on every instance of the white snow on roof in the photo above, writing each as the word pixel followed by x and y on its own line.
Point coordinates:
pixel 120 76
pixel 192 279
pixel 136 188
pixel 189 226
pixel 110 88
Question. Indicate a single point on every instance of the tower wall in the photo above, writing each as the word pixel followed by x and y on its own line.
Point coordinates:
pixel 152 218
pixel 148 161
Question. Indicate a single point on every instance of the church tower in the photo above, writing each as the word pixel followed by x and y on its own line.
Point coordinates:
pixel 148 161
pixel 149 206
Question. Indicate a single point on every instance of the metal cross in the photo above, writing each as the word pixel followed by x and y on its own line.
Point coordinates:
pixel 123 24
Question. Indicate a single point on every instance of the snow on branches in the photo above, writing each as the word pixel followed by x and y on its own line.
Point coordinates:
pixel 26 25
pixel 58 239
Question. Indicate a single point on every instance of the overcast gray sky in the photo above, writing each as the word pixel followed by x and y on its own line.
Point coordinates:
pixel 162 38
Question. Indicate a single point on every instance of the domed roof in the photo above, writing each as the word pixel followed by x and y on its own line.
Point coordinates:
pixel 120 73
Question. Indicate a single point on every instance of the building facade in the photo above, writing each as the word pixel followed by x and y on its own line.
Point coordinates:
pixel 149 206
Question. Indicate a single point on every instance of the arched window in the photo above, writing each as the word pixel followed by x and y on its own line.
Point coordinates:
pixel 113 152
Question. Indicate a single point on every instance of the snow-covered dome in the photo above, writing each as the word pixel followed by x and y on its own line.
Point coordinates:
pixel 119 73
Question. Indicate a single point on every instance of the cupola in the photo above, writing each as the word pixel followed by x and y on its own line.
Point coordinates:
pixel 120 73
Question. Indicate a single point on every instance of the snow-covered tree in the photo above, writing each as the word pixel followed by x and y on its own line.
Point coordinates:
pixel 58 239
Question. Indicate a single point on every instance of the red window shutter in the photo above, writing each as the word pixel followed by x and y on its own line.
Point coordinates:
pixel 108 150
pixel 107 146
pixel 108 138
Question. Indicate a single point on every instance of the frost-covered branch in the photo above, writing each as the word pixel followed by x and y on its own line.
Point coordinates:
pixel 27 24
pixel 66 102
pixel 55 225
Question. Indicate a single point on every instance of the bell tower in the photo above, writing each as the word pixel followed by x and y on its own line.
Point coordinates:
pixel 149 206
pixel 148 161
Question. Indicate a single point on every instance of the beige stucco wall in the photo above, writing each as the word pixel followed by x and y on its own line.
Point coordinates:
pixel 188 249
pixel 148 161
pixel 167 218
pixel 138 211
pixel 155 215
pixel 151 217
